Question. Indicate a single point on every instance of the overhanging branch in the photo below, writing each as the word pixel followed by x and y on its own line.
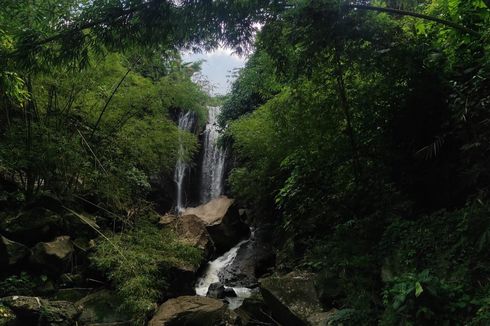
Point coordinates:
pixel 417 15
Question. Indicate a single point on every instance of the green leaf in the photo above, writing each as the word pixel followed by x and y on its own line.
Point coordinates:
pixel 418 289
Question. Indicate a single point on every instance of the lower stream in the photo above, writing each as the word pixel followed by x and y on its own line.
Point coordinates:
pixel 212 272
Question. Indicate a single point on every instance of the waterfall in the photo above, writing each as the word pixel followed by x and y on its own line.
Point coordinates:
pixel 213 163
pixel 211 275
pixel 186 122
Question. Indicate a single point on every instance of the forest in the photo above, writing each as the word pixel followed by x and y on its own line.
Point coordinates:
pixel 343 180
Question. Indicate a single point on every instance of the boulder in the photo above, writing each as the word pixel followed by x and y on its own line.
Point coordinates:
pixel 223 222
pixel 12 252
pixel 53 256
pixel 192 231
pixel 31 226
pixel 101 307
pixel 216 290
pixel 33 311
pixel 180 278
pixel 71 294
pixel 190 311
pixel 230 293
pixel 292 298
pixel 254 258
pixel 167 219
pixel 253 310
pixel 40 224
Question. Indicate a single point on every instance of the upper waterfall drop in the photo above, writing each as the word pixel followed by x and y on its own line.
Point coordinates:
pixel 186 122
pixel 213 162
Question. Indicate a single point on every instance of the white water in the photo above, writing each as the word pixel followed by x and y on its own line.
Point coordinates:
pixel 211 275
pixel 212 180
pixel 213 163
pixel 186 121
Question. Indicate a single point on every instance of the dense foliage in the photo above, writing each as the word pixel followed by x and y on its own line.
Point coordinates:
pixel 358 128
pixel 87 125
pixel 363 135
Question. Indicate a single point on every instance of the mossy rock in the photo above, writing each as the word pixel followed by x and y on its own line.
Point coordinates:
pixel 6 316
pixel 72 295
pixel 33 311
pixel 292 298
pixel 101 307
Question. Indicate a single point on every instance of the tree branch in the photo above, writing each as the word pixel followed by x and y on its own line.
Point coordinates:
pixel 87 25
pixel 109 101
pixel 417 15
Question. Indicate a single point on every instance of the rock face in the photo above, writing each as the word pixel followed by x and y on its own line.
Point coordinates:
pixel 223 222
pixel 101 308
pixel 54 255
pixel 12 252
pixel 192 231
pixel 253 260
pixel 254 311
pixel 33 311
pixel 216 290
pixel 292 299
pixel 190 311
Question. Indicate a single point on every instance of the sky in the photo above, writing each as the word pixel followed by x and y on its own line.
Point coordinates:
pixel 217 67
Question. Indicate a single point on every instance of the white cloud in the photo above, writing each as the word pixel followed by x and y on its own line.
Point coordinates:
pixel 218 66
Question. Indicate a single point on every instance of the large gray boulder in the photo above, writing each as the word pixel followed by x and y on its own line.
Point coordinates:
pixel 12 252
pixel 222 221
pixel 53 256
pixel 33 311
pixel 293 299
pixel 190 311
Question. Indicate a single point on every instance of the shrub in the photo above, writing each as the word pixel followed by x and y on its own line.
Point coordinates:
pixel 423 299
pixel 137 263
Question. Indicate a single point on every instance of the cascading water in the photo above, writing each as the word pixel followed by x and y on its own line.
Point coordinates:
pixel 211 187
pixel 213 163
pixel 186 122
pixel 211 275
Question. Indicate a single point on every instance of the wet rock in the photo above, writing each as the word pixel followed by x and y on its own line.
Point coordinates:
pixel 292 299
pixel 53 256
pixel 100 308
pixel 254 259
pixel 230 293
pixel 12 252
pixel 216 290
pixel 223 222
pixel 191 311
pixel 33 311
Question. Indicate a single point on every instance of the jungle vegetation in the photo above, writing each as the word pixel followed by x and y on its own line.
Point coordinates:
pixel 359 128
